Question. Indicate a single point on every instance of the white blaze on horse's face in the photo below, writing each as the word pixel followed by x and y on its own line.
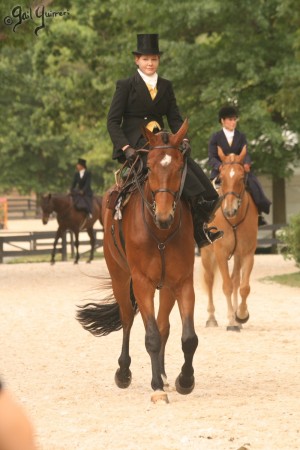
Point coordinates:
pixel 232 172
pixel 166 161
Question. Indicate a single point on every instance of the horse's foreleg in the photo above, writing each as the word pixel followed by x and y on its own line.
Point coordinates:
pixel 76 246
pixel 242 314
pixel 92 241
pixel 227 287
pixel 236 279
pixel 185 382
pixel 208 263
pixel 58 235
pixel 166 303
pixel 144 292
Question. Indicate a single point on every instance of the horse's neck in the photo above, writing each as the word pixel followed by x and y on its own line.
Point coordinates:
pixel 61 203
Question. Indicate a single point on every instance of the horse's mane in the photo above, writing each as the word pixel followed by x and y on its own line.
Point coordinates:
pixel 165 137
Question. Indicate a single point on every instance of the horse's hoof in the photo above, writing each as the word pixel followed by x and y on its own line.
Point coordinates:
pixel 233 328
pixel 165 380
pixel 75 262
pixel 242 320
pixel 122 382
pixel 52 263
pixel 211 323
pixel 184 390
pixel 89 261
pixel 159 397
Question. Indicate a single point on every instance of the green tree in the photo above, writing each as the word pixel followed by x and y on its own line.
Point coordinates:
pixel 58 88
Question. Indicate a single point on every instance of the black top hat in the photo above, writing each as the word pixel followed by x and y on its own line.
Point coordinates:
pixel 147 44
pixel 82 162
pixel 227 111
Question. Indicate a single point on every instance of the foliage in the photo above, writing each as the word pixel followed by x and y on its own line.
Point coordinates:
pixel 57 86
pixel 290 236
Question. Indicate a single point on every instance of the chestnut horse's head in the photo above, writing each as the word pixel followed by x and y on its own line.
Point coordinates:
pixel 47 207
pixel 232 176
pixel 165 165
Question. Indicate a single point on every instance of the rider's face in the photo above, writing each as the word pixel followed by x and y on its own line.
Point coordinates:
pixel 229 123
pixel 147 64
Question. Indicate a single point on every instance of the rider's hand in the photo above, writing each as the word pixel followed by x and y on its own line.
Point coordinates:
pixel 130 155
pixel 186 147
pixel 247 167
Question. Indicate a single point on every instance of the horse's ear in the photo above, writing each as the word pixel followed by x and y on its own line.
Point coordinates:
pixel 221 154
pixel 178 137
pixel 243 154
pixel 147 133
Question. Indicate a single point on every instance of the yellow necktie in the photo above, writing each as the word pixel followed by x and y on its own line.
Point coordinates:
pixel 152 90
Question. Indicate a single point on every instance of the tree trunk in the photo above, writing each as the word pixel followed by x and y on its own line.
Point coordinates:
pixel 279 200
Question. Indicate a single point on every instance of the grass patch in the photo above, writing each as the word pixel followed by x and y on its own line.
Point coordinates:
pixel 46 258
pixel 290 279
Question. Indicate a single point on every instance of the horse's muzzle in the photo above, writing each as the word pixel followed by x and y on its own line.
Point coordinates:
pixel 164 224
pixel 229 213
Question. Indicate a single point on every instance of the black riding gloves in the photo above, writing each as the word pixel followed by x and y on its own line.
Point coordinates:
pixel 130 155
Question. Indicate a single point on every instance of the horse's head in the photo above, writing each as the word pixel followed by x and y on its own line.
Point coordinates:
pixel 232 176
pixel 165 165
pixel 47 207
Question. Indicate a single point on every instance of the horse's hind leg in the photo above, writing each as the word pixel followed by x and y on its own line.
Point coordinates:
pixel 166 303
pixel 90 232
pixel 121 288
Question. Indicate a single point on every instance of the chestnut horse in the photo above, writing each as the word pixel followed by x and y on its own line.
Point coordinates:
pixel 151 248
pixel 237 216
pixel 69 218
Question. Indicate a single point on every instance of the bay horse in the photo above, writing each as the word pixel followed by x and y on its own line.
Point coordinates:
pixel 151 248
pixel 69 218
pixel 238 218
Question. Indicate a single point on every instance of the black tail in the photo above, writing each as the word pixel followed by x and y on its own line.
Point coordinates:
pixel 102 319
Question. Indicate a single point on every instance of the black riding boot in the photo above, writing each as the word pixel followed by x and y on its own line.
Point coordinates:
pixel 208 208
pixel 203 234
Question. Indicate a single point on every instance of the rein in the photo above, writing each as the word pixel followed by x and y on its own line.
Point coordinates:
pixel 240 197
pixel 161 245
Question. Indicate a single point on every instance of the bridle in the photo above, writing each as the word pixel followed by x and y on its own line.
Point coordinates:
pixel 239 197
pixel 176 194
pixel 151 208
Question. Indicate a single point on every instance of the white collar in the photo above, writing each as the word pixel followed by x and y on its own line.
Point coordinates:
pixel 228 134
pixel 152 79
pixel 81 173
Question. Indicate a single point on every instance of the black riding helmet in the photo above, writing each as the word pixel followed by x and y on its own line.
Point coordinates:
pixel 227 112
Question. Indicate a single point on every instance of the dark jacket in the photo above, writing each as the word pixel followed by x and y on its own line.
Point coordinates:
pixel 82 184
pixel 219 139
pixel 132 108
